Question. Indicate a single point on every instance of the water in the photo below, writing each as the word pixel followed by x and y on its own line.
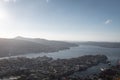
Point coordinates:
pixel 112 53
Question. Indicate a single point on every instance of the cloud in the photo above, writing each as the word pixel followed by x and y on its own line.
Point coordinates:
pixel 108 21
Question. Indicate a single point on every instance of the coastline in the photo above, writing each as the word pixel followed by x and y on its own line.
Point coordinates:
pixel 13 56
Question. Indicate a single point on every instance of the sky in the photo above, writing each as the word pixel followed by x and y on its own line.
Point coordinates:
pixel 73 20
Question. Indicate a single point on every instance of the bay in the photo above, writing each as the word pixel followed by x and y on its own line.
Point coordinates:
pixel 113 55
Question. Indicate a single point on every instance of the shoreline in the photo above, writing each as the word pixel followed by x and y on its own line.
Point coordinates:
pixel 24 55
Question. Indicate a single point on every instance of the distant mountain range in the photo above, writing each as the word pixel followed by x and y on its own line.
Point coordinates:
pixel 21 45
pixel 101 44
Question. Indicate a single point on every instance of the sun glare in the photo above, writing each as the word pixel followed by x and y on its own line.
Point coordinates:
pixel 5 20
pixel 3 14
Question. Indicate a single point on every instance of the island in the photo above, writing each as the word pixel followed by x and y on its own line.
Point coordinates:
pixel 46 68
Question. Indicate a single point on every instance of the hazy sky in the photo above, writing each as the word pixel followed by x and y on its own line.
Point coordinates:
pixel 79 20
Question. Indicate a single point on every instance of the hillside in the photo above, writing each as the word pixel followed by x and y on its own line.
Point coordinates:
pixel 20 45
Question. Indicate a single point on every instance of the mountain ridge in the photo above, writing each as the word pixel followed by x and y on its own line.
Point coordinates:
pixel 22 45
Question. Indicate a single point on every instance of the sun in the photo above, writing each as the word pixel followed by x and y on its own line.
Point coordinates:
pixel 5 20
pixel 3 14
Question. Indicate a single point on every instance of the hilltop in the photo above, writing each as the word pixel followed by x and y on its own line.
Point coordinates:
pixel 21 45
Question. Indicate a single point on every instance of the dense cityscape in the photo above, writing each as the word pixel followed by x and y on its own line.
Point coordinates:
pixel 46 68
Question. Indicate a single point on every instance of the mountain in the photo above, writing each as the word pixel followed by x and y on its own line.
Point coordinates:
pixel 21 45
pixel 57 44
pixel 101 44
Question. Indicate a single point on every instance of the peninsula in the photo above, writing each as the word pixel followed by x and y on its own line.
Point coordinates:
pixel 21 45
